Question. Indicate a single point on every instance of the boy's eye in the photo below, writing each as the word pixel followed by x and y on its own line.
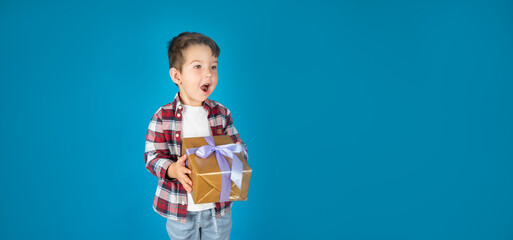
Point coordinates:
pixel 214 67
pixel 197 66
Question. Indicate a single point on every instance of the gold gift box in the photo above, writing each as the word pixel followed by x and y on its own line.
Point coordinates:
pixel 206 175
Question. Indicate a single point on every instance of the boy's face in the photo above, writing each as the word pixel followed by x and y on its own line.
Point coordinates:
pixel 198 77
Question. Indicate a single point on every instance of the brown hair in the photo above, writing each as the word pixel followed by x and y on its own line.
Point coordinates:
pixel 179 43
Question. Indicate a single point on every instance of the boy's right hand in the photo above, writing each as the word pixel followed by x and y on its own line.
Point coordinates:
pixel 179 171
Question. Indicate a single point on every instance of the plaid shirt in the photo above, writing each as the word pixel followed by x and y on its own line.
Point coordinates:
pixel 163 147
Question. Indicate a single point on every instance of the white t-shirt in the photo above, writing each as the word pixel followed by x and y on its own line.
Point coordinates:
pixel 195 124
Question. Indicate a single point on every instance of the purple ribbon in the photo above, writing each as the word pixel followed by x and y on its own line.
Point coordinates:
pixel 227 175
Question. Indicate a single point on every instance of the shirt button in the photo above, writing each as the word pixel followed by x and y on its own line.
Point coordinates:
pixel 183 202
pixel 179 107
pixel 178 115
pixel 177 135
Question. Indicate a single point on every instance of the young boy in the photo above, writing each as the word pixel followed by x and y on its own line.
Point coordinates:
pixel 193 68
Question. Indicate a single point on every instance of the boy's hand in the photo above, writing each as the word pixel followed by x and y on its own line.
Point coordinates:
pixel 179 171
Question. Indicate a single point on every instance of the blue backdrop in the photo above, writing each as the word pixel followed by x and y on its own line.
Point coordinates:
pixel 363 119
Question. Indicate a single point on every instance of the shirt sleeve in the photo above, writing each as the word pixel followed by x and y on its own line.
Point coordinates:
pixel 231 131
pixel 157 155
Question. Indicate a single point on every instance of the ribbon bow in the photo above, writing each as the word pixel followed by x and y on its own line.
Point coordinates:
pixel 227 175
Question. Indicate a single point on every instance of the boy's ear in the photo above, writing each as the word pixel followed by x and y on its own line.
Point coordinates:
pixel 175 76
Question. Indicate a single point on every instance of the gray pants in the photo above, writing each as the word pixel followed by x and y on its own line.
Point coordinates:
pixel 201 225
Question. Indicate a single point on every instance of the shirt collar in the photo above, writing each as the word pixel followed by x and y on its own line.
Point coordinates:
pixel 207 104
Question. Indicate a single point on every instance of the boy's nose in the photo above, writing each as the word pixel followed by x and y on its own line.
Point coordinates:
pixel 208 73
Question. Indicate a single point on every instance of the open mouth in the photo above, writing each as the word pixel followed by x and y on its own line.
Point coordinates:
pixel 205 87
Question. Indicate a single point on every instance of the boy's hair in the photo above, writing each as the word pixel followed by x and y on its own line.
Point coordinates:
pixel 179 43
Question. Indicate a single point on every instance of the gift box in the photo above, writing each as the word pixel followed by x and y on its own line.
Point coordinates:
pixel 220 172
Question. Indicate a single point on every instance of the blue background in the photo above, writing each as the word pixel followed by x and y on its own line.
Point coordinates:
pixel 363 119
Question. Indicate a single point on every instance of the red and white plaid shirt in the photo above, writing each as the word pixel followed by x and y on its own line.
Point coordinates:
pixel 163 147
